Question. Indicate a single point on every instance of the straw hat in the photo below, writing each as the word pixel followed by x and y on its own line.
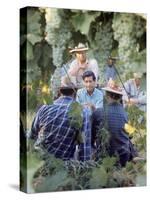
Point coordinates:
pixel 112 58
pixel 80 47
pixel 112 87
pixel 137 75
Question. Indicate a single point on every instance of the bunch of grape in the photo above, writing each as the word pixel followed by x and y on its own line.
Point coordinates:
pixel 58 34
pixel 128 28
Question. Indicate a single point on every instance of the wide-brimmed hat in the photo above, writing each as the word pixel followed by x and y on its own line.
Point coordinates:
pixel 112 58
pixel 137 75
pixel 80 47
pixel 116 91
pixel 113 87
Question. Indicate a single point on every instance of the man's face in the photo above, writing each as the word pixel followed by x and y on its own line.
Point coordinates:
pixel 89 83
pixel 81 56
pixel 138 81
pixel 110 62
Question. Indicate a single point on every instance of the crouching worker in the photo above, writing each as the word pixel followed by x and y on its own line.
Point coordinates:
pixel 53 129
pixel 115 119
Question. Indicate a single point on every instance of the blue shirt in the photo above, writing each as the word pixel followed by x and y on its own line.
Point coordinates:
pixel 116 118
pixel 110 72
pixel 52 125
pixel 96 98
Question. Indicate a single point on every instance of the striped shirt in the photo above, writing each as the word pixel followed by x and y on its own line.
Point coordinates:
pixel 53 123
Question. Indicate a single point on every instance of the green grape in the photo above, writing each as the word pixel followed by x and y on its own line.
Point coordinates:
pixel 127 29
pixel 58 34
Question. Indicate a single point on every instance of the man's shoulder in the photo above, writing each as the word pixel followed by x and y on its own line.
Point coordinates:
pixel 42 109
pixel 81 91
pixel 74 62
pixel 92 61
pixel 129 82
pixel 98 91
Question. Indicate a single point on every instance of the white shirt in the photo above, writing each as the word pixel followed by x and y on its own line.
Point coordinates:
pixel 75 72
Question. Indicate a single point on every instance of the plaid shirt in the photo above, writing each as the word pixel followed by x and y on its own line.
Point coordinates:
pixel 116 119
pixel 53 125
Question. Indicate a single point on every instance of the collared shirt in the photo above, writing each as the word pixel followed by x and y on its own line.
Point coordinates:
pixel 135 93
pixel 76 73
pixel 96 98
pixel 110 72
pixel 52 124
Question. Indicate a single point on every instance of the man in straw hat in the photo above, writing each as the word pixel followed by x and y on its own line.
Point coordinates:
pixel 133 95
pixel 115 119
pixel 81 64
pixel 54 131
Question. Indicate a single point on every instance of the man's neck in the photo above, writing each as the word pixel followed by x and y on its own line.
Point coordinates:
pixel 137 85
pixel 82 62
pixel 90 92
pixel 111 101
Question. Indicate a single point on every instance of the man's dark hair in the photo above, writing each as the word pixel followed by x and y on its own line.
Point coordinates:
pixel 114 95
pixel 67 91
pixel 88 74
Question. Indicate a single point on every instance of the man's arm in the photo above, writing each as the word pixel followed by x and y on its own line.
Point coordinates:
pixel 35 128
pixel 126 92
pixel 99 102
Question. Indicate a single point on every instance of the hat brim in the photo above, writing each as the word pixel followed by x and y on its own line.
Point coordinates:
pixel 78 49
pixel 111 90
pixel 68 88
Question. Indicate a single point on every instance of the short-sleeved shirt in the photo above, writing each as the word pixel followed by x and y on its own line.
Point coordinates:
pixel 96 98
pixel 76 74
pixel 53 122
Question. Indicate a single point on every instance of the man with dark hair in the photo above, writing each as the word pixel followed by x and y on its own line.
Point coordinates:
pixel 90 96
pixel 52 127
pixel 116 118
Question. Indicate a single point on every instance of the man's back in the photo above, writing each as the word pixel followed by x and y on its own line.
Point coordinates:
pixel 110 72
pixel 59 135
pixel 116 119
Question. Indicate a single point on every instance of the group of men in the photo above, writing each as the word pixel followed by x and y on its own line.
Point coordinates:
pixel 52 127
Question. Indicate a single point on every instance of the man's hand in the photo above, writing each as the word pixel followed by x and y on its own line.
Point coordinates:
pixel 133 101
pixel 90 105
